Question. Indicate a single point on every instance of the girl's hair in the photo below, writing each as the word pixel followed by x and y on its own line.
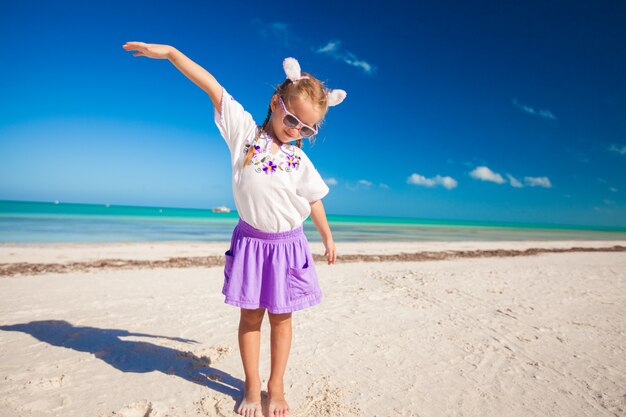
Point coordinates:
pixel 310 88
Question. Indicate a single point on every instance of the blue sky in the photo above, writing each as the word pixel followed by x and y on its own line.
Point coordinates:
pixel 503 111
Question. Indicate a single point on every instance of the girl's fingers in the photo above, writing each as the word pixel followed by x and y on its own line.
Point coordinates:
pixel 131 46
pixel 151 50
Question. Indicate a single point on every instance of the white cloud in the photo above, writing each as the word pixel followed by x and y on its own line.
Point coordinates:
pixel 483 173
pixel 545 114
pixel 279 28
pixel 447 182
pixel 330 47
pixel 610 207
pixel 333 49
pixel 383 185
pixel 538 182
pixel 620 149
pixel 278 31
pixel 281 32
pixel 613 189
pixel 330 181
pixel 514 182
pixel 359 185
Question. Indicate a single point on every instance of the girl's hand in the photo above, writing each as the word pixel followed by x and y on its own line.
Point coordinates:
pixel 331 251
pixel 151 50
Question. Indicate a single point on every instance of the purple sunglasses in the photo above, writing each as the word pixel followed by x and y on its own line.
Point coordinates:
pixel 292 121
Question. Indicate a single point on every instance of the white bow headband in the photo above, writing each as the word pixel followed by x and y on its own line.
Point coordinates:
pixel 292 69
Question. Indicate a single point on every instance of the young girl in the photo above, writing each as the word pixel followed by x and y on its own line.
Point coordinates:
pixel 276 187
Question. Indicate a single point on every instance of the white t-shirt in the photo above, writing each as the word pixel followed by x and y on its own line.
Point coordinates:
pixel 274 191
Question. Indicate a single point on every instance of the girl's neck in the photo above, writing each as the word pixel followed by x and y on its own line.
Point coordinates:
pixel 269 131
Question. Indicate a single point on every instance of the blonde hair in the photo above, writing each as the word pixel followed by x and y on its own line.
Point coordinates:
pixel 310 88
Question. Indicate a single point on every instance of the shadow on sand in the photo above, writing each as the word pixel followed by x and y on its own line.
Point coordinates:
pixel 133 356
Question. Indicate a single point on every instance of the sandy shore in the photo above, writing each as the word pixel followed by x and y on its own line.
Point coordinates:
pixel 410 329
pixel 29 259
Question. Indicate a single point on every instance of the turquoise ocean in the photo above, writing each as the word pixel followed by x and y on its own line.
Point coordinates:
pixel 35 222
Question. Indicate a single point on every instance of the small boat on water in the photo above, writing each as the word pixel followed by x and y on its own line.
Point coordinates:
pixel 220 209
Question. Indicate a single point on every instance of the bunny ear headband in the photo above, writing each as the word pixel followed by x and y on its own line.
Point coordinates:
pixel 292 69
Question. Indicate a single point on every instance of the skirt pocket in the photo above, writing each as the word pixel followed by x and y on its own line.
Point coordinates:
pixel 228 267
pixel 301 281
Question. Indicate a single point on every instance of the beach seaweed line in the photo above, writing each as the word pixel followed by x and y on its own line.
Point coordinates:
pixel 28 268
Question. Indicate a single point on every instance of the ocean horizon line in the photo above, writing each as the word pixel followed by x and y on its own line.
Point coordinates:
pixel 106 209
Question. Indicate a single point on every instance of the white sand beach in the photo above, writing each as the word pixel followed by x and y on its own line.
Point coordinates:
pixel 518 334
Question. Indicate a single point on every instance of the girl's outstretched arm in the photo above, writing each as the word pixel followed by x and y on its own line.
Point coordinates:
pixel 201 77
pixel 318 215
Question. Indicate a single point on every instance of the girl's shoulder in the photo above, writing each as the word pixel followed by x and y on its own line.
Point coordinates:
pixel 299 152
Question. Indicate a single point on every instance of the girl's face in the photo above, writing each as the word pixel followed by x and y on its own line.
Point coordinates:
pixel 301 108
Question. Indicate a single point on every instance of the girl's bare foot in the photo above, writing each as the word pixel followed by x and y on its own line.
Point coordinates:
pixel 277 406
pixel 251 404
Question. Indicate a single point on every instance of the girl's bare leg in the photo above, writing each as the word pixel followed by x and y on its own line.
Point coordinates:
pixel 249 346
pixel 280 345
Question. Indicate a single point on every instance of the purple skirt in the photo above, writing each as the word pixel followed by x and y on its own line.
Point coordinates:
pixel 272 270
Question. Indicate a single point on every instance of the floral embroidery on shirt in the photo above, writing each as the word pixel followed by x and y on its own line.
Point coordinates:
pixel 293 161
pixel 257 149
pixel 269 167
pixel 264 161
